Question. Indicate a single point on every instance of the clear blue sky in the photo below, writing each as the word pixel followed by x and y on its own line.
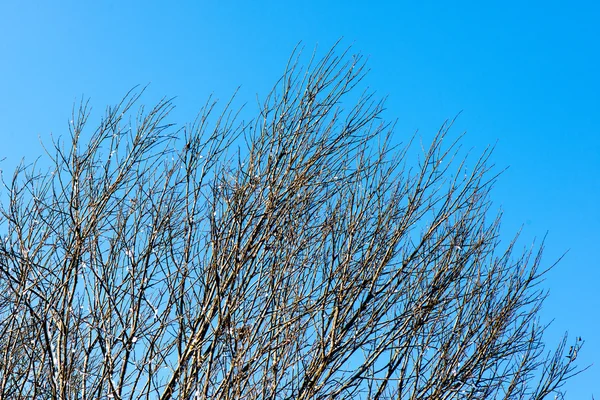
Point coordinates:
pixel 524 74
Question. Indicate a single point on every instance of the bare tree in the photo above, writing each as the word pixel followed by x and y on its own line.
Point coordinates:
pixel 300 256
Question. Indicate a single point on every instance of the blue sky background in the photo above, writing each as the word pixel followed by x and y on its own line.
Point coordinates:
pixel 524 75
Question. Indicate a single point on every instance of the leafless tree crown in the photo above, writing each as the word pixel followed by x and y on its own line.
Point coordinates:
pixel 297 257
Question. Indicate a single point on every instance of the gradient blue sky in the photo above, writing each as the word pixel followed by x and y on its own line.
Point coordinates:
pixel 524 75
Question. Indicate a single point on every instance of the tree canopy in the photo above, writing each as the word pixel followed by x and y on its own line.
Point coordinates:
pixel 303 255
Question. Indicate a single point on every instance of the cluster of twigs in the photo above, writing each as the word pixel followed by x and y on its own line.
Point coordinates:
pixel 314 263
